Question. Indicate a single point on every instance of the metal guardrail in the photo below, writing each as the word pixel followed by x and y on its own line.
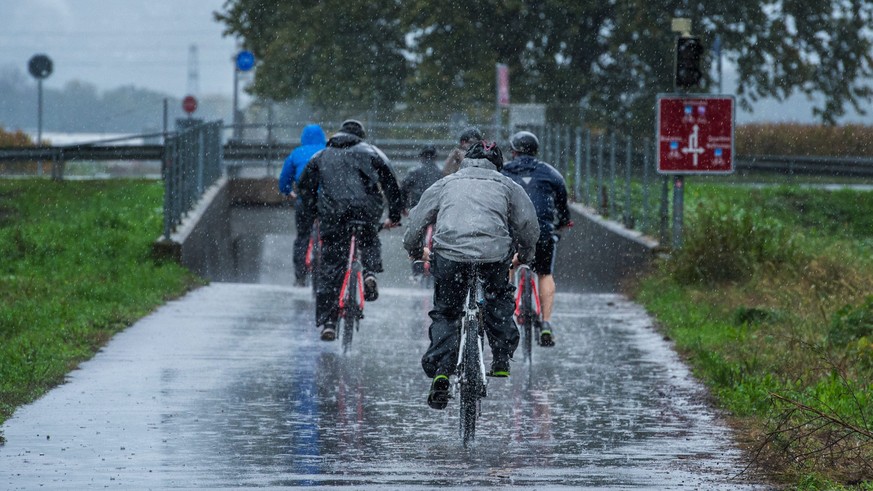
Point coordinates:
pixel 192 162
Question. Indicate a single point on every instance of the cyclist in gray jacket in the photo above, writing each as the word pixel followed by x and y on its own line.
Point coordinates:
pixel 479 216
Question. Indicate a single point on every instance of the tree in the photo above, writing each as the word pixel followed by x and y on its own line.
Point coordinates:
pixel 612 58
pixel 332 52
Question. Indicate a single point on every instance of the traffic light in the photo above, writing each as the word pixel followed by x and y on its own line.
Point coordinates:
pixel 688 53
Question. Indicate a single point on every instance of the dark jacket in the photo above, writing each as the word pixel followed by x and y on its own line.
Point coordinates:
pixel 417 181
pixel 546 188
pixel 479 216
pixel 346 181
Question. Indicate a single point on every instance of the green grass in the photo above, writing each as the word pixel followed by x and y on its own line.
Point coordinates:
pixel 771 300
pixel 75 268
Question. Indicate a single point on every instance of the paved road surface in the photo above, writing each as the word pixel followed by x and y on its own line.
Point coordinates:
pixel 230 387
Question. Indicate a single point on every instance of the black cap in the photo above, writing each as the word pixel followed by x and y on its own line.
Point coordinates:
pixel 354 127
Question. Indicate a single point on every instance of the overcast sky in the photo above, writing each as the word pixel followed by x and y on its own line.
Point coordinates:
pixel 120 42
pixel 146 43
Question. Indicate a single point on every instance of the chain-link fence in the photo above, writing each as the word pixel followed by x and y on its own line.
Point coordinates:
pixel 192 163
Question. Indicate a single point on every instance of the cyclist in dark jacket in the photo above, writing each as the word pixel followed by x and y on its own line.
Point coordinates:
pixel 548 192
pixel 348 181
pixel 420 178
pixel 481 217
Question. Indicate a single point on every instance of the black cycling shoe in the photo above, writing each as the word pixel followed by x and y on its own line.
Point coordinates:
pixel 328 331
pixel 546 338
pixel 499 368
pixel 371 289
pixel 438 398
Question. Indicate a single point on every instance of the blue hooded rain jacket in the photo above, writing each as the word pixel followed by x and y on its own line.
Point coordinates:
pixel 311 141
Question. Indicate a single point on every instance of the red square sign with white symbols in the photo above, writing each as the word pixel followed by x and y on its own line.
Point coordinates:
pixel 695 134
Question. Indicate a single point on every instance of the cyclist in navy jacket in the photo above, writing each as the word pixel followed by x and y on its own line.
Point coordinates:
pixel 548 192
pixel 311 140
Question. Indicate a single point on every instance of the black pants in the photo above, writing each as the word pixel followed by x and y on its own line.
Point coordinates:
pixel 450 291
pixel 334 260
pixel 301 242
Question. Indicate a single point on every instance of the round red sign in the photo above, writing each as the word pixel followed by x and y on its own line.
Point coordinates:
pixel 189 104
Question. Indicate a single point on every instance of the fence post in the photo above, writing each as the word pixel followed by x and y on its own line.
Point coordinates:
pixel 628 213
pixel 577 167
pixel 611 197
pixel 601 189
pixel 587 167
pixel 644 217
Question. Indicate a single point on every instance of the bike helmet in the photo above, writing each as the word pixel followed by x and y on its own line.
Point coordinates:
pixel 484 149
pixel 524 142
pixel 354 127
pixel 429 151
pixel 471 135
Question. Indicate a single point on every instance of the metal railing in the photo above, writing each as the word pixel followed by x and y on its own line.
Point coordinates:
pixel 192 163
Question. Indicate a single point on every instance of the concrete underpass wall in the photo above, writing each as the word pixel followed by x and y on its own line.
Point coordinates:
pixel 202 242
pixel 595 256
pixel 599 256
pixel 208 245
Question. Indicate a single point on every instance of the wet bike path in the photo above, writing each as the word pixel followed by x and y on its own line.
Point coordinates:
pixel 230 387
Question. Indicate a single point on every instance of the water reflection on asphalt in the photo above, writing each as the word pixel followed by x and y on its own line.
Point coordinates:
pixel 231 387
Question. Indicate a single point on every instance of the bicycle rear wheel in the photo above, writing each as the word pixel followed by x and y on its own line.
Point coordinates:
pixel 350 325
pixel 351 314
pixel 472 384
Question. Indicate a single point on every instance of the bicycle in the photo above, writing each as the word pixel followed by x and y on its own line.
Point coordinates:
pixel 470 379
pixel 313 256
pixel 528 312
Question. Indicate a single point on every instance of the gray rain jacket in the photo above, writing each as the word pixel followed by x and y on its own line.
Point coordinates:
pixel 480 216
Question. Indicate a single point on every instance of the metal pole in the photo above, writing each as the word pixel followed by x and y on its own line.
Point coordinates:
pixel 665 209
pixel 646 163
pixel 611 197
pixel 39 113
pixel 678 187
pixel 577 167
pixel 235 102
pixel 628 213
pixel 601 189
pixel 587 167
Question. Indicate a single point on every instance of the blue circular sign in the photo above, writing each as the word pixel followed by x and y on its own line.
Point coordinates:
pixel 245 60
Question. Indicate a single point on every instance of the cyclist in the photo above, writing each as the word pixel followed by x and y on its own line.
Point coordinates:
pixel 548 192
pixel 421 178
pixel 479 216
pixel 312 139
pixel 466 139
pixel 343 183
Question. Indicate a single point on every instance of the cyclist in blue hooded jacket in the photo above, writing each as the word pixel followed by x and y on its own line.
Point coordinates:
pixel 548 192
pixel 311 141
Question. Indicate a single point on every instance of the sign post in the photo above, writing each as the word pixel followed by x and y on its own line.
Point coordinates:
pixel 40 67
pixel 243 62
pixel 695 135
pixel 502 99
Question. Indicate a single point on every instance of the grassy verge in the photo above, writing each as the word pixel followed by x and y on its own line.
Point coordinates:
pixel 75 268
pixel 771 300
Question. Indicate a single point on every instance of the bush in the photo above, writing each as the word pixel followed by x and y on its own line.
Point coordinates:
pixel 851 323
pixel 728 243
pixel 804 139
